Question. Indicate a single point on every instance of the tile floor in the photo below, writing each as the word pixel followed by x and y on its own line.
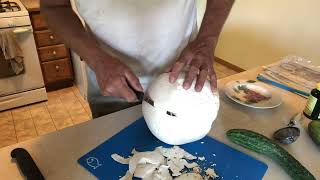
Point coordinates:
pixel 64 108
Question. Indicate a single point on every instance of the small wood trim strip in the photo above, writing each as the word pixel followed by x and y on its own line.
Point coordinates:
pixel 229 65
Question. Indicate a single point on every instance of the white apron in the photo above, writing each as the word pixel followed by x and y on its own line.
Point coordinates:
pixel 147 35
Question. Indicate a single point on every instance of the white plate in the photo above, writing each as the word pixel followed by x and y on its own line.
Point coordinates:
pixel 242 91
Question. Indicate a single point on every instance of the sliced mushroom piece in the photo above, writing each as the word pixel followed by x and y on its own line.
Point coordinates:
pixel 120 159
pixel 176 166
pixel 134 151
pixel 162 173
pixel 145 170
pixel 211 173
pixel 128 176
pixel 189 156
pixel 151 157
pixel 174 152
pixel 189 176
pixel 190 165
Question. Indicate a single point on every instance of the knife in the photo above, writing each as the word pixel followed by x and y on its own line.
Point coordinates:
pixel 140 95
pixel 26 164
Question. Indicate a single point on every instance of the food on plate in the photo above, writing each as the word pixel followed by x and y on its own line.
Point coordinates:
pixel 177 116
pixel 314 131
pixel 248 95
pixel 163 164
pixel 263 145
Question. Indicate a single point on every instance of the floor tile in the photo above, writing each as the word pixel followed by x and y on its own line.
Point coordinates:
pixel 65 91
pixel 61 123
pixel 80 118
pixel 25 129
pixel 220 74
pixel 53 97
pixel 21 114
pixel 60 115
pixel 7 131
pixel 42 120
pixel 224 69
pixel 46 128
pixel 40 115
pixel 26 135
pixel 5 115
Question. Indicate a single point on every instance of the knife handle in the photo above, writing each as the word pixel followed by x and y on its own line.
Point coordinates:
pixel 26 164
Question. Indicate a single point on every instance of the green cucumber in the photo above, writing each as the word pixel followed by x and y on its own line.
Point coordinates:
pixel 263 145
pixel 314 131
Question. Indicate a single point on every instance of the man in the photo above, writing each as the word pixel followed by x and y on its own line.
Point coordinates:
pixel 128 42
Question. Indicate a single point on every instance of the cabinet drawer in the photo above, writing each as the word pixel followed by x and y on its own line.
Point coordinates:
pixel 57 70
pixel 39 22
pixel 53 52
pixel 46 38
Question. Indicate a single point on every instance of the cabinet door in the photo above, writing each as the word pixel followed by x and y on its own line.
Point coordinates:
pixel 38 22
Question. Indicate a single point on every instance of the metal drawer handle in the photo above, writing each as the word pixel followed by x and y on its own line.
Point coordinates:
pixel 54 52
pixel 51 37
pixel 57 68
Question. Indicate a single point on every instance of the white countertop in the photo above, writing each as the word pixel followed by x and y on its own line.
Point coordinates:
pixel 56 154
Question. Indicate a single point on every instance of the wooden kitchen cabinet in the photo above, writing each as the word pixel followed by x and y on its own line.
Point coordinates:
pixel 53 55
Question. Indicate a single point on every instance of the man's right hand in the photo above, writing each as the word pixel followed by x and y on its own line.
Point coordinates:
pixel 116 79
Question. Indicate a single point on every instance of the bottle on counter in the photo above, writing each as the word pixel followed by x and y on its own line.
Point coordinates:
pixel 312 109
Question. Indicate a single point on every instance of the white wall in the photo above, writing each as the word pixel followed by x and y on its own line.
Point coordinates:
pixel 261 32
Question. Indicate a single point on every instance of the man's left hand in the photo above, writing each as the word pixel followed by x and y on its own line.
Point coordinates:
pixel 198 58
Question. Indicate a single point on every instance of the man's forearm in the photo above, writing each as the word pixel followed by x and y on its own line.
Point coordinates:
pixel 215 16
pixel 66 24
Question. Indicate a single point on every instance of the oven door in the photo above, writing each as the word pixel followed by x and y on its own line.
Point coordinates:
pixel 31 77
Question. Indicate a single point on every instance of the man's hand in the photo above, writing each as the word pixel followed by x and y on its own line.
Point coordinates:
pixel 199 54
pixel 198 57
pixel 117 79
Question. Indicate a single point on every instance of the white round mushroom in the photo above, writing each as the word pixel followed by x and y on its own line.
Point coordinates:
pixel 177 116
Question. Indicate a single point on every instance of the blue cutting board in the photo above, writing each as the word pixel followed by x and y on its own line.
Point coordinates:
pixel 230 163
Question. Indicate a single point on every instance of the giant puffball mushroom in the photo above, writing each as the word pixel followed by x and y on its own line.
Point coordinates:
pixel 177 116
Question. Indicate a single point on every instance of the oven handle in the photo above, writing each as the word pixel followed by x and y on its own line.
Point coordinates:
pixel 21 30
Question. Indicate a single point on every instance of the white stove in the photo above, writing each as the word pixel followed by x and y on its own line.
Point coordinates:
pixel 12 8
pixel 28 86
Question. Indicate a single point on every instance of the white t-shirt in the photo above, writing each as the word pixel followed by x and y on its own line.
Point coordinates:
pixel 147 35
